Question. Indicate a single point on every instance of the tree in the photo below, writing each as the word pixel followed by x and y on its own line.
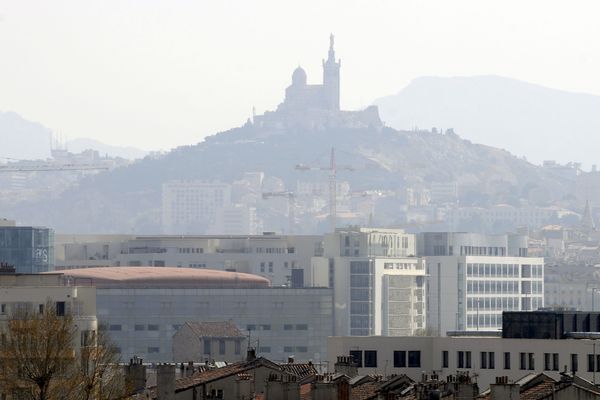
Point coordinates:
pixel 40 359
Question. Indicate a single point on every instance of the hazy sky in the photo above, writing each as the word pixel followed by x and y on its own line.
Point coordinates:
pixel 157 74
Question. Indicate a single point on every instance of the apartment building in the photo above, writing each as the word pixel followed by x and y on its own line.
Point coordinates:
pixel 379 284
pixel 29 249
pixel 473 278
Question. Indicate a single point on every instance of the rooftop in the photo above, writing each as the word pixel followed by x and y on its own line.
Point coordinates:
pixel 163 277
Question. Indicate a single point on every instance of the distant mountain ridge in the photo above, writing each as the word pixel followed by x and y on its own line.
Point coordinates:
pixel 526 119
pixel 25 140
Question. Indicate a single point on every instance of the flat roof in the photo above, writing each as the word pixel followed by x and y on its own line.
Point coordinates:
pixel 163 277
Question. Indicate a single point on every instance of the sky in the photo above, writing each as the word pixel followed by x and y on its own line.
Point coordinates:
pixel 159 74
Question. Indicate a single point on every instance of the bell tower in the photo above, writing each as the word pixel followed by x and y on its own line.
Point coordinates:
pixel 331 79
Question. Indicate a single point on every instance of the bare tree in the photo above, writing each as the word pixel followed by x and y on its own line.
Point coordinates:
pixel 37 353
pixel 39 359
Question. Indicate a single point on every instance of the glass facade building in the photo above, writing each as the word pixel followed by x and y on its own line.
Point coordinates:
pixel 29 249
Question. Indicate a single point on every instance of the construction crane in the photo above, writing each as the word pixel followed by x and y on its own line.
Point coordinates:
pixel 291 206
pixel 332 168
pixel 51 167
pixel 15 167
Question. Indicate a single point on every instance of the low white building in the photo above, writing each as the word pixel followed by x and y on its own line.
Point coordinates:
pixel 485 357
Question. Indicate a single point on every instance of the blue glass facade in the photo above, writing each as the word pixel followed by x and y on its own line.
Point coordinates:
pixel 29 249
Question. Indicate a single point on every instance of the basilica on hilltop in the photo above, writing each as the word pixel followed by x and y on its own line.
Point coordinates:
pixel 317 106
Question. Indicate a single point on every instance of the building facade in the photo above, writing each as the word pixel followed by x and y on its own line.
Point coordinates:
pixel 379 284
pixel 142 308
pixel 284 260
pixel 473 278
pixel 29 249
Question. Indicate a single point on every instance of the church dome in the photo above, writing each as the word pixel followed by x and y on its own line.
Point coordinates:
pixel 299 77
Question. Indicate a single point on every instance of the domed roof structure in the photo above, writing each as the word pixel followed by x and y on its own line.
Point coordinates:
pixel 163 277
pixel 299 76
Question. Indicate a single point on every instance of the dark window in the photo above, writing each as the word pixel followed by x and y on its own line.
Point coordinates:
pixel 288 327
pixel 590 362
pixel 301 349
pixel 522 360
pixel 399 359
pixel 531 361
pixel 153 327
pixel 491 360
pixel 555 362
pixel 238 347
pixel 445 359
pixel 207 346
pixel 597 362
pixel 468 359
pixel 265 327
pixel 574 363
pixel 547 362
pixel 301 327
pixel 60 308
pixel 460 359
pixel 251 327
pixel 507 360
pixel 153 349
pixel 221 346
pixel 370 359
pixel 114 328
pixel 414 359
pixel 265 349
pixel 41 308
pixel 288 349
pixel 484 360
pixel 139 327
pixel 357 356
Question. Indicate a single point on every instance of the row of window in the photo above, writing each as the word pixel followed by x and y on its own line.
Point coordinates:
pixel 276 250
pixel 492 303
pixel 190 250
pixel 504 271
pixel 286 327
pixel 487 360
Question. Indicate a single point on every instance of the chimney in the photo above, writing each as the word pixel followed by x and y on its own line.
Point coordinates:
pixel 502 390
pixel 346 365
pixel 165 382
pixel 290 360
pixel 251 354
pixel 135 375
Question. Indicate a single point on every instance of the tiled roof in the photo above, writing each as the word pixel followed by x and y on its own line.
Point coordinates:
pixel 301 370
pixel 221 329
pixel 366 391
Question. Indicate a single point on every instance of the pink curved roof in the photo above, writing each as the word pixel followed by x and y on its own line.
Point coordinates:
pixel 163 277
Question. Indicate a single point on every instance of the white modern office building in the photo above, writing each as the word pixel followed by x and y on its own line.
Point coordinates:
pixel 379 284
pixel 472 278
pixel 284 260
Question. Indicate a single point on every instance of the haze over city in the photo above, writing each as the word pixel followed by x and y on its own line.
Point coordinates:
pixel 299 200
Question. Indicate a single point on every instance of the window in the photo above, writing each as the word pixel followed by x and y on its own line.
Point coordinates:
pixel 574 363
pixel 265 349
pixel 221 346
pixel 547 362
pixel 491 360
pixel 590 362
pixel 3 308
pixel 288 327
pixel 460 359
pixel 207 346
pixel 531 361
pixel 238 347
pixel 555 362
pixel 153 349
pixel 251 327
pixel 370 359
pixel 399 359
pixel 41 308
pixel 445 359
pixel 484 360
pixel 507 360
pixel 357 357
pixel 270 266
pixel 522 360
pixel 301 327
pixel 467 359
pixel 60 308
pixel 301 349
pixel 265 327
pixel 114 328
pixel 288 349
pixel 262 267
pixel 139 327
pixel 414 359
pixel 153 327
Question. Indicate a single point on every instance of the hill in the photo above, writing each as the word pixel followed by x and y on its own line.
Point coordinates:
pixel 128 198
pixel 526 119
pixel 23 139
